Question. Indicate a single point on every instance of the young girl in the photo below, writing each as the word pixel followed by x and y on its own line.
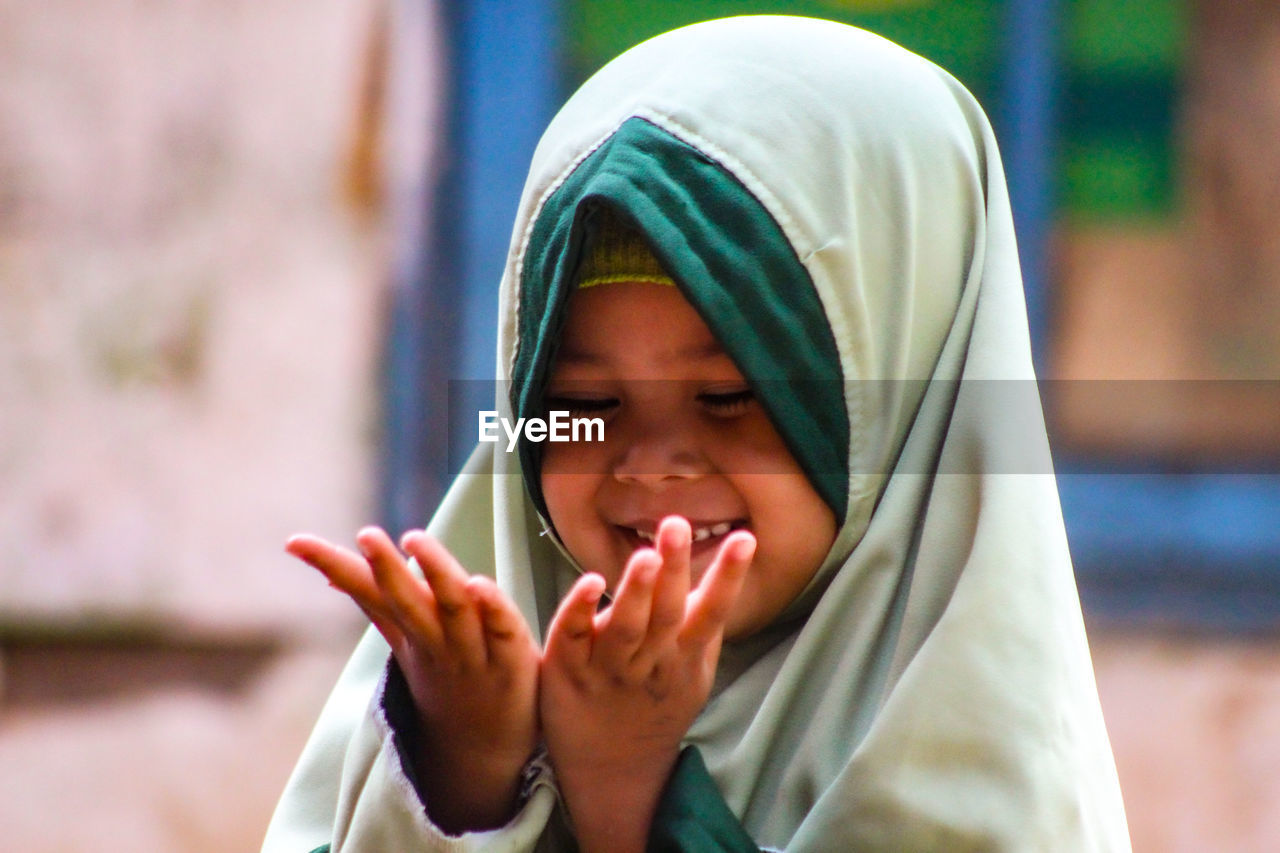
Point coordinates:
pixel 765 252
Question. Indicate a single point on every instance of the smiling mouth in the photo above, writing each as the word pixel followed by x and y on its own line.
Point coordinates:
pixel 700 533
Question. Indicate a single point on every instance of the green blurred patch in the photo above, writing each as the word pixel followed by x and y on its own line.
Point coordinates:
pixel 1112 180
pixel 1120 67
pixel 1125 35
pixel 959 35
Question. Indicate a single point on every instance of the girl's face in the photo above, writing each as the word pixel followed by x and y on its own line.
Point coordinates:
pixel 682 436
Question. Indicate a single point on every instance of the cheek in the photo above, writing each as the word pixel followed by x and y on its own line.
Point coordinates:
pixel 795 533
pixel 566 496
pixel 813 532
pixel 562 458
pixel 749 446
pixel 570 475
pixel 571 504
pixel 573 474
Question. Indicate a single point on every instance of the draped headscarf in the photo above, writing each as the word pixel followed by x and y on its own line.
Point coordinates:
pixel 835 209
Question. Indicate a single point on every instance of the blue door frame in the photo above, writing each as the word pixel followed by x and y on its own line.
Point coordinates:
pixel 501 86
pixel 1199 550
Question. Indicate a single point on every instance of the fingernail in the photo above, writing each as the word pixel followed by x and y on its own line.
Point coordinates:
pixel 407 537
pixel 678 531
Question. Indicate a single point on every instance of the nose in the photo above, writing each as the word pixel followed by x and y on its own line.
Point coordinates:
pixel 657 455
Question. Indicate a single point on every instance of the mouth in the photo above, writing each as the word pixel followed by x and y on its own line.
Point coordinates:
pixel 707 535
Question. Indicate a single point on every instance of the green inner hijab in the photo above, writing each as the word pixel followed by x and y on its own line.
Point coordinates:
pixel 730 260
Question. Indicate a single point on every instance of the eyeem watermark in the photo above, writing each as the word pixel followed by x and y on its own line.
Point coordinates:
pixel 557 426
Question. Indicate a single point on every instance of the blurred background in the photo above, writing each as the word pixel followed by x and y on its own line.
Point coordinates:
pixel 246 247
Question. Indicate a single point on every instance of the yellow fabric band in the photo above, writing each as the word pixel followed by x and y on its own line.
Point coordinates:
pixel 620 277
pixel 618 253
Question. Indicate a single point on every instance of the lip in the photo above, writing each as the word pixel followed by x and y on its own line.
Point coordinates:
pixel 707 534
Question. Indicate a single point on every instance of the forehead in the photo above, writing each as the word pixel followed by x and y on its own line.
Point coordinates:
pixel 628 323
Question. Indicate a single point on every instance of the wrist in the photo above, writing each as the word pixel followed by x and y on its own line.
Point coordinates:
pixel 612 805
pixel 470 766
pixel 454 774
pixel 604 767
pixel 470 790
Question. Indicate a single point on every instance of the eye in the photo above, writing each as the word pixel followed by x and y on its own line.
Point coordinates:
pixel 727 403
pixel 581 406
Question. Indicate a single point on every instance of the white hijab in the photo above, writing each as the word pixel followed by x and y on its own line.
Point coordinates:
pixel 932 688
pixel 939 694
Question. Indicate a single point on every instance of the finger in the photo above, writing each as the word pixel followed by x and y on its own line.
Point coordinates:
pixel 456 611
pixel 671 587
pixel 569 638
pixel 506 634
pixel 349 573
pixel 622 628
pixel 409 599
pixel 712 602
pixel 442 572
pixel 343 569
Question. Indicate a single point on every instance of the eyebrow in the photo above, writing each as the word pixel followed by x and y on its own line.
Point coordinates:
pixel 698 352
pixel 711 349
pixel 573 356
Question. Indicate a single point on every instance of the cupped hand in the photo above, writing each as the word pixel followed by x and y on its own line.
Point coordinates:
pixel 621 686
pixel 469 660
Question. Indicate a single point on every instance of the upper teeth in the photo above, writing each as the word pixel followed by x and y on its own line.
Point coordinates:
pixel 714 530
pixel 698 535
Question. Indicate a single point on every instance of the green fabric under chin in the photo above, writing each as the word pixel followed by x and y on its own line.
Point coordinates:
pixel 732 262
pixel 692 816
